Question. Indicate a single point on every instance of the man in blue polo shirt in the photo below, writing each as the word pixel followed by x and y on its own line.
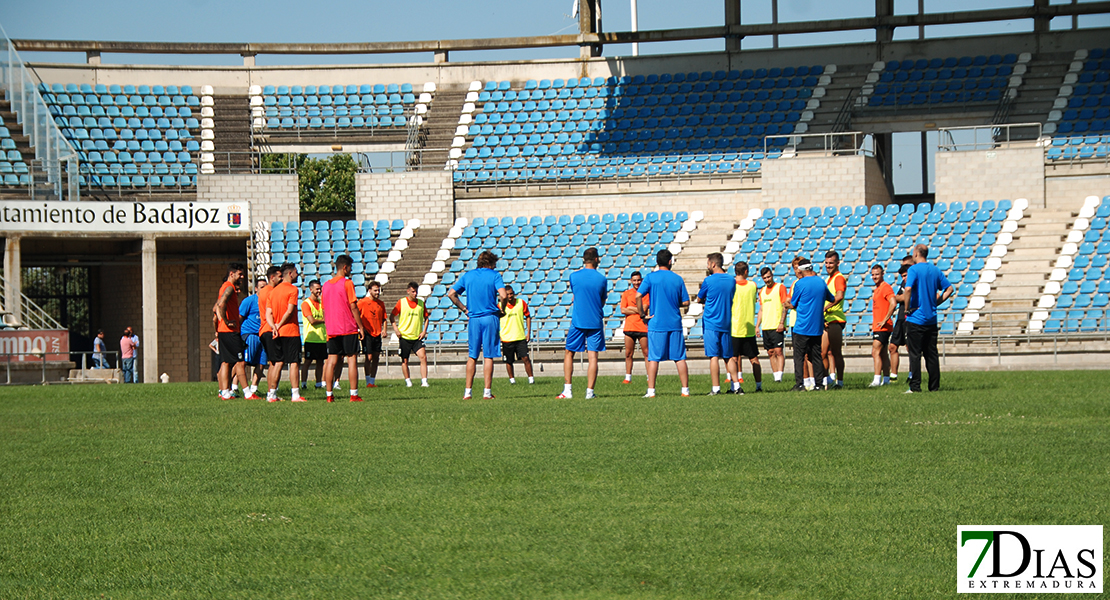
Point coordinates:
pixel 926 288
pixel 484 288
pixel 665 340
pixel 586 332
pixel 716 322
pixel 808 301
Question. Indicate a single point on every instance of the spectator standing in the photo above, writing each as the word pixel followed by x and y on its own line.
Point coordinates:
pixel 927 288
pixel 127 346
pixel 98 351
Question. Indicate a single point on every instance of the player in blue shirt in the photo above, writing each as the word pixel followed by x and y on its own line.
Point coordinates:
pixel 665 340
pixel 586 332
pixel 484 288
pixel 808 301
pixel 926 288
pixel 716 294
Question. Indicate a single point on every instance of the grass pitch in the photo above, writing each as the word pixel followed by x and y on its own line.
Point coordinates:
pixel 163 491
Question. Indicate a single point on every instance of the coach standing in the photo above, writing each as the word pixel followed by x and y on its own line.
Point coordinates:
pixel 586 332
pixel 808 300
pixel 926 288
pixel 665 338
pixel 484 288
pixel 716 293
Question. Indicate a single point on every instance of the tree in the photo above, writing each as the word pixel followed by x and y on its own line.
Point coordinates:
pixel 326 184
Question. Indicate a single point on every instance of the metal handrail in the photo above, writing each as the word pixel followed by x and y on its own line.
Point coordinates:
pixel 31 315
pixel 832 143
pixel 51 147
pixel 997 131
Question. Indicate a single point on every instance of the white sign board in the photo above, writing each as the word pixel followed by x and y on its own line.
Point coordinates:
pixel 126 217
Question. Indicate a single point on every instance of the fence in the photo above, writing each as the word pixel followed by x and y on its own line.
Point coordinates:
pixel 999 136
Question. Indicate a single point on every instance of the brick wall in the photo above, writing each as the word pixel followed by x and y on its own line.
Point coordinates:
pixel 272 197
pixel 823 181
pixel 1064 183
pixel 1001 173
pixel 121 301
pixel 428 196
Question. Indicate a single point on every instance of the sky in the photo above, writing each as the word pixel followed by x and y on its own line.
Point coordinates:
pixel 363 21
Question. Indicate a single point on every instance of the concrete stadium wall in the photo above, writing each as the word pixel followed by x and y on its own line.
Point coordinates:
pixel 235 79
pixel 427 195
pixel 1001 173
pixel 272 197
pixel 724 205
pixel 823 181
pixel 1065 184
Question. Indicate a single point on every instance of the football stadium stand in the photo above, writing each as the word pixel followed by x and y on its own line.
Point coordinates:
pixel 132 136
pixel 633 126
pixel 333 107
pixel 1076 295
pixel 948 82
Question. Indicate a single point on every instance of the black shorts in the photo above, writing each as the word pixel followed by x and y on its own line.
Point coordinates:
pixel 882 336
pixel 268 344
pixel 231 347
pixel 315 351
pixel 511 351
pixel 635 335
pixel 343 345
pixel 409 346
pixel 745 347
pixel 773 338
pixel 287 350
pixel 371 345
pixel 898 336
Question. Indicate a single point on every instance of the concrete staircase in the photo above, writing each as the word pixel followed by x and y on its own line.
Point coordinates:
pixel 415 262
pixel 847 80
pixel 440 124
pixel 41 188
pixel 710 236
pixel 1041 82
pixel 231 128
pixel 1025 270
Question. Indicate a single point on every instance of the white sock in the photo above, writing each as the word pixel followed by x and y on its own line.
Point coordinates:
pixel 716 388
pixel 512 380
pixel 628 376
pixel 354 391
pixel 651 391
pixel 467 392
pixel 809 382
pixel 878 379
pixel 778 375
pixel 234 388
pixel 408 383
pixel 589 392
pixel 735 386
pixel 329 393
pixel 566 389
pixel 487 392
pixel 686 390
pixel 424 381
pixel 296 393
pixel 894 376
pixel 531 380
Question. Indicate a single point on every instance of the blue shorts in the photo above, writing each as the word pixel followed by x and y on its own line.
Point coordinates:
pixel 581 340
pixel 718 344
pixel 483 337
pixel 255 354
pixel 666 345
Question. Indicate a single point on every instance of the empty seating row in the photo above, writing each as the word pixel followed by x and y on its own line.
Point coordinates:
pixel 1081 147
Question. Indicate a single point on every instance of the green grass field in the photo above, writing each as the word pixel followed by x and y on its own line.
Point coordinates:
pixel 163 491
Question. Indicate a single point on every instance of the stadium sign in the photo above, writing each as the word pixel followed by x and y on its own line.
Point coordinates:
pixel 1031 559
pixel 125 217
pixel 32 345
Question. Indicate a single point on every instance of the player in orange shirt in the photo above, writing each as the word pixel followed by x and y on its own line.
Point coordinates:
pixel 371 311
pixel 265 333
pixel 635 330
pixel 281 312
pixel 225 316
pixel 883 306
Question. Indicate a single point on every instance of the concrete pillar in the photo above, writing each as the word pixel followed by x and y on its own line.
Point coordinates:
pixel 440 56
pixel 92 57
pixel 884 8
pixel 884 149
pixel 248 60
pixel 13 276
pixel 1041 24
pixel 589 21
pixel 150 310
pixel 192 320
pixel 732 18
